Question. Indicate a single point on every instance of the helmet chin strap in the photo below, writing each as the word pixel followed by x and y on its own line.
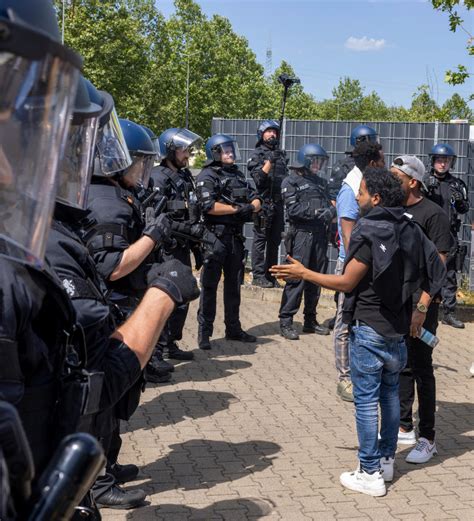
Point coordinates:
pixel 271 142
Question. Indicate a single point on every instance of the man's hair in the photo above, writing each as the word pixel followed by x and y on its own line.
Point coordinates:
pixel 365 152
pixel 382 182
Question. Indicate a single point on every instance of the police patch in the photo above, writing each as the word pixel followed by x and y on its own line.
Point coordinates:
pixel 69 286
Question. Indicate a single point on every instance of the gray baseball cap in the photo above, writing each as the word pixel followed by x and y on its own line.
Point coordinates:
pixel 411 166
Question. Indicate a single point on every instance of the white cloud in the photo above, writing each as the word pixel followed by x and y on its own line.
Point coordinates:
pixel 364 44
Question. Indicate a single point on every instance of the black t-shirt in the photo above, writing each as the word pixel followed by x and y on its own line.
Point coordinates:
pixel 370 309
pixel 434 221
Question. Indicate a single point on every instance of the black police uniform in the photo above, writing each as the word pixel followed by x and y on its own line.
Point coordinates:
pixel 450 193
pixel 222 184
pixel 35 323
pixel 338 173
pixel 307 241
pixel 180 191
pixel 269 223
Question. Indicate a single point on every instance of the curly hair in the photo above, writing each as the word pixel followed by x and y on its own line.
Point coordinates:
pixel 380 181
pixel 365 152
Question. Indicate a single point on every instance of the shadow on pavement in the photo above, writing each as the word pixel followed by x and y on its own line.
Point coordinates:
pixel 235 509
pixel 207 369
pixel 176 406
pixel 197 464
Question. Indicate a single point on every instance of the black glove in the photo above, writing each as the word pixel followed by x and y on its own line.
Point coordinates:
pixel 157 228
pixel 326 215
pixel 275 155
pixel 245 212
pixel 175 279
pixel 457 196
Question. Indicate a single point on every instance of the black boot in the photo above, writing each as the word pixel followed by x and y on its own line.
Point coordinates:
pixel 262 283
pixel 156 374
pixel 176 353
pixel 450 320
pixel 204 341
pixel 123 473
pixel 313 326
pixel 117 497
pixel 289 332
pixel 241 336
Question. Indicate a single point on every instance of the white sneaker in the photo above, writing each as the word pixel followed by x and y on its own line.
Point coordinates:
pixel 360 481
pixel 423 452
pixel 387 468
pixel 406 438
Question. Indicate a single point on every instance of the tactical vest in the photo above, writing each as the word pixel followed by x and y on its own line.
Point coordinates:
pixel 277 174
pixel 309 190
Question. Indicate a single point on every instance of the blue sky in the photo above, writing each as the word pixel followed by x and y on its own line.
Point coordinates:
pixel 407 42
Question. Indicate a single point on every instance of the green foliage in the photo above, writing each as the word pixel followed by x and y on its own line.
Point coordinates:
pixel 141 58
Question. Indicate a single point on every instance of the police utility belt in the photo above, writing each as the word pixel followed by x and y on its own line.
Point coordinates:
pixel 219 230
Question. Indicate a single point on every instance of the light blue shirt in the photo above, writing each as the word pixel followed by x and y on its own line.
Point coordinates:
pixel 347 207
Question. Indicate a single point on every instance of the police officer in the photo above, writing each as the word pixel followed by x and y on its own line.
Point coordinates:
pixel 118 238
pixel 309 211
pixel 342 167
pixel 268 168
pixel 173 179
pixel 227 202
pixel 450 193
pixel 34 118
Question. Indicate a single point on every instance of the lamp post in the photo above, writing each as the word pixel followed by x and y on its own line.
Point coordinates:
pixel 188 55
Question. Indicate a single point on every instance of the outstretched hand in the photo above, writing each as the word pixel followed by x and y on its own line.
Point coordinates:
pixel 293 270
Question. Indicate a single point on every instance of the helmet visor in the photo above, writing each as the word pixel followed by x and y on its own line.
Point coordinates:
pixel 139 171
pixel 36 100
pixel 185 139
pixel 316 163
pixel 77 164
pixel 111 147
pixel 442 164
pixel 226 152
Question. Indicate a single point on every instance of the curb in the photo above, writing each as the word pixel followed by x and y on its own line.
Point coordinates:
pixel 273 295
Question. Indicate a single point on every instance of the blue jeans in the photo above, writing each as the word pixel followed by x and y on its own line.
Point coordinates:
pixel 376 362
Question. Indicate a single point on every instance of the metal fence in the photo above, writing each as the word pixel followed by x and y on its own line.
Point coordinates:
pixel 396 138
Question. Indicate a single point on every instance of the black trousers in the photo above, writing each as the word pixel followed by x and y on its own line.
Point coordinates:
pixel 419 373
pixel 310 249
pixel 265 244
pixel 450 287
pixel 232 267
pixel 173 329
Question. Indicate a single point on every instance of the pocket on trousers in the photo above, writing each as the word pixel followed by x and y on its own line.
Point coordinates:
pixel 364 358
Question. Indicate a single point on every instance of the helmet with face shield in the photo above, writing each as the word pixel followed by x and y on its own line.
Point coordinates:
pixel 142 151
pixel 155 140
pixel 311 157
pixel 174 139
pixel 363 133
pixel 111 152
pixel 445 157
pixel 78 158
pixel 38 81
pixel 222 149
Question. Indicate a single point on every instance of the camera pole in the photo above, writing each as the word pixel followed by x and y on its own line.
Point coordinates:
pixel 287 83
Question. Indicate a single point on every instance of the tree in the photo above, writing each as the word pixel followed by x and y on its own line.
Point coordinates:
pixel 423 107
pixel 455 108
pixel 460 75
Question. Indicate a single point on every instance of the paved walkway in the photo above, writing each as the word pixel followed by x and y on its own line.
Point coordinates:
pixel 256 431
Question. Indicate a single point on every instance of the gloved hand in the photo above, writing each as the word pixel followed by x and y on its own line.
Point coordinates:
pixel 157 228
pixel 175 279
pixel 275 155
pixel 245 212
pixel 326 215
pixel 456 196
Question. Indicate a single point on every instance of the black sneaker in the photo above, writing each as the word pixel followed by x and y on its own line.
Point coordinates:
pixel 450 320
pixel 123 473
pixel 175 353
pixel 117 497
pixel 289 332
pixel 315 327
pixel 329 323
pixel 262 283
pixel 155 375
pixel 241 336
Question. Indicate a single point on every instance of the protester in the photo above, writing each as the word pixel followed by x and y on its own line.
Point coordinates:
pixel 388 260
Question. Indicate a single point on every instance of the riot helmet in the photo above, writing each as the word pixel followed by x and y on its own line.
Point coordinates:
pixel 263 127
pixel 174 139
pixel 363 133
pixel 442 157
pixel 141 150
pixel 111 152
pixel 38 82
pixel 221 148
pixel 75 170
pixel 155 140
pixel 311 157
